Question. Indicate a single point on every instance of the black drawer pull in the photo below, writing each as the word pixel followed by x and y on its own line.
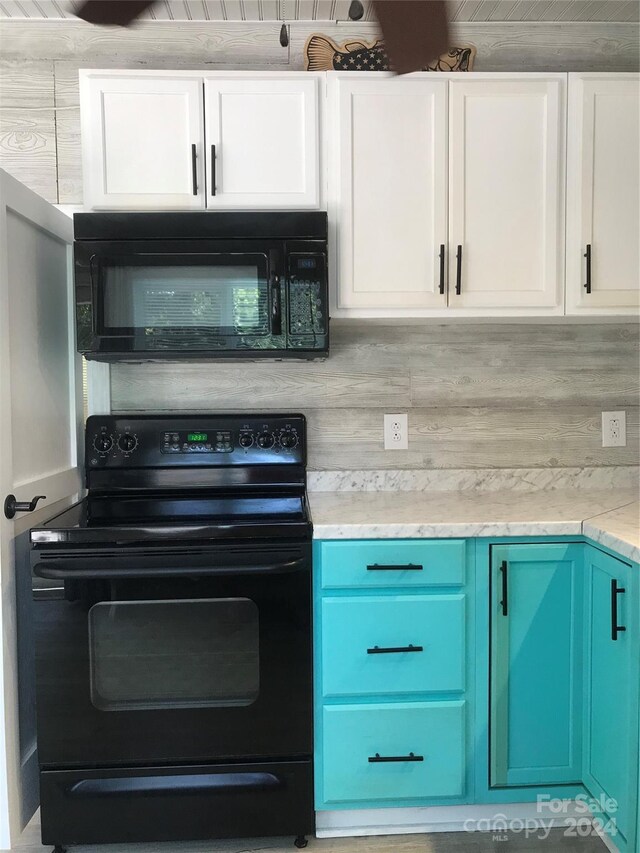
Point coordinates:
pixel 615 592
pixel 390 650
pixel 387 759
pixel 408 567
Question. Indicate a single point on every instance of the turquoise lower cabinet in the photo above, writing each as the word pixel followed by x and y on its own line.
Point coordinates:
pixel 399 751
pixel 612 680
pixel 393 644
pixel 536 660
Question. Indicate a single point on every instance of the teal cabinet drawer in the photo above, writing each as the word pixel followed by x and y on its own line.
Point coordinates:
pixel 353 734
pixel 355 630
pixel 389 563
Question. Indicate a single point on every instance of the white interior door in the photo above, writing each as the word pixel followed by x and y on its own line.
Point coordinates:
pixel 142 141
pixel 40 424
pixel 262 137
pixel 603 194
pixel 506 199
pixel 388 192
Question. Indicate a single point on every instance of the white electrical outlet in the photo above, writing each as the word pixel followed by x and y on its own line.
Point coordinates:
pixel 614 429
pixel 396 432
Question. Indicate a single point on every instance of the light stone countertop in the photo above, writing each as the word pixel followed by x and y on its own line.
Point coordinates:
pixel 612 515
pixel 618 529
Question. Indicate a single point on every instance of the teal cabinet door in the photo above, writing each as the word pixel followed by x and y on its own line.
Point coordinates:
pixel 536 664
pixel 611 728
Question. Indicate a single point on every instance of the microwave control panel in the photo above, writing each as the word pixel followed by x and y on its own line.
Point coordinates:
pixel 307 311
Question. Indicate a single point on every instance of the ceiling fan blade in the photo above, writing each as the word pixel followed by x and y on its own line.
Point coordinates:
pixel 415 32
pixel 112 12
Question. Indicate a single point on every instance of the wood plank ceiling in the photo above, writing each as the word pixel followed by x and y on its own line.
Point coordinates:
pixel 562 11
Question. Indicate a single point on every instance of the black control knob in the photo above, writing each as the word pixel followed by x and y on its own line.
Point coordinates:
pixel 288 440
pixel 127 443
pixel 266 440
pixel 245 439
pixel 103 443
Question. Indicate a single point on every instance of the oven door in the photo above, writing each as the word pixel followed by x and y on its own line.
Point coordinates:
pixel 174 662
pixel 179 297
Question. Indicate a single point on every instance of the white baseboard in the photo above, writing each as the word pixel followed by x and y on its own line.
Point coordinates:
pixel 497 818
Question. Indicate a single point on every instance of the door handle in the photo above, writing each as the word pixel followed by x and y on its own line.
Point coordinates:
pixel 12 506
pixel 276 311
pixel 213 170
pixel 441 256
pixel 194 169
pixel 505 589
pixel 459 270
pixel 587 256
pixel 615 592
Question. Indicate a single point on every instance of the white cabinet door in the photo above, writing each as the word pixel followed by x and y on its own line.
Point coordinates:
pixel 142 141
pixel 388 193
pixel 603 194
pixel 506 177
pixel 40 430
pixel 262 140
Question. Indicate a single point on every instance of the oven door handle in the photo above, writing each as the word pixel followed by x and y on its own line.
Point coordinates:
pixel 104 569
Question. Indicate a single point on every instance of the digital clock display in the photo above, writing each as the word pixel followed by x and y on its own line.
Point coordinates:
pixel 197 436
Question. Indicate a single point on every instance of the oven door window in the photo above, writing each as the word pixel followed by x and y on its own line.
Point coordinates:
pixel 195 653
pixel 216 294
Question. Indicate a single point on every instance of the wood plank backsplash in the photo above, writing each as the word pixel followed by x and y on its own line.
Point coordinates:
pixel 477 396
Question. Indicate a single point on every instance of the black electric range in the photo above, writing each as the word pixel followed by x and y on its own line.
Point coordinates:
pixel 173 634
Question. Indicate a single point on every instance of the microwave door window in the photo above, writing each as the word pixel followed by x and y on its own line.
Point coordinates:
pixel 229 299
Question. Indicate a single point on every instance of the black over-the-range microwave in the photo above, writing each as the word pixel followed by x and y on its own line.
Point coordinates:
pixel 201 285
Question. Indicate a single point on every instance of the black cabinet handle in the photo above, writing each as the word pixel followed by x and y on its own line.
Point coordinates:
pixel 394 650
pixel 12 506
pixel 441 256
pixel 276 313
pixel 213 170
pixel 459 270
pixel 615 592
pixel 408 567
pixel 383 759
pixel 194 169
pixel 505 588
pixel 587 255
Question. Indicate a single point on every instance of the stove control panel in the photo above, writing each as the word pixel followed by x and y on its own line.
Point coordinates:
pixel 201 440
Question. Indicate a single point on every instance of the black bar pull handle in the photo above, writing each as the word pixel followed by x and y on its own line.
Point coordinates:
pixel 386 759
pixel 394 650
pixel 407 567
pixel 615 592
pixel 459 270
pixel 213 170
pixel 194 168
pixel 12 506
pixel 587 255
pixel 441 256
pixel 505 588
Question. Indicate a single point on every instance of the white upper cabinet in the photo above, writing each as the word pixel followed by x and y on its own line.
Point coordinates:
pixel 262 139
pixel 388 164
pixel 142 141
pixel 603 194
pixel 506 199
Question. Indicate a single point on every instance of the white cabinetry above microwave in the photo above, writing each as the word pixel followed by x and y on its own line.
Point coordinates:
pixel 146 144
pixel 495 246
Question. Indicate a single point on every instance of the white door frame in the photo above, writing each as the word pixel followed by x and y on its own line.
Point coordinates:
pixel 22 202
